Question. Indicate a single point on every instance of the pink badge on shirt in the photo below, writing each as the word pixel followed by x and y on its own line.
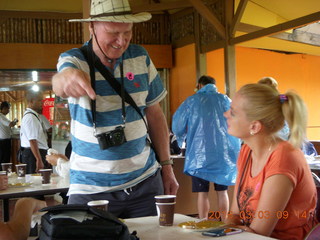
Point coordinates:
pixel 130 76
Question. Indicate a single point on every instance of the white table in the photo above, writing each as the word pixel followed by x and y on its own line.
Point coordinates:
pixel 148 229
pixel 57 185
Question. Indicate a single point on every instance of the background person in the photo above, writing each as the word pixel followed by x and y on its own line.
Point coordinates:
pixel 47 126
pixel 127 175
pixel 270 81
pixel 275 194
pixel 33 135
pixel 5 133
pixel 61 162
pixel 284 133
pixel 211 152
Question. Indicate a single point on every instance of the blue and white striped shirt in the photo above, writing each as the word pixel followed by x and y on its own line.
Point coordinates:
pixel 116 168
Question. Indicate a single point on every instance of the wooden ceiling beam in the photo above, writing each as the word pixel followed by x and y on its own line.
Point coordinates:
pixel 298 22
pixel 156 7
pixel 11 96
pixel 237 18
pixel 296 36
pixel 205 12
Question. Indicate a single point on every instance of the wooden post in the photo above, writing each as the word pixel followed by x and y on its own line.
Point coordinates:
pixel 86 14
pixel 229 53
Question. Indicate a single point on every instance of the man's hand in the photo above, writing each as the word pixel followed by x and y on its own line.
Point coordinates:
pixel 39 165
pixel 53 159
pixel 170 183
pixel 72 82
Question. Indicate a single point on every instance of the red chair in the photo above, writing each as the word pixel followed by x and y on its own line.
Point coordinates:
pixel 314 234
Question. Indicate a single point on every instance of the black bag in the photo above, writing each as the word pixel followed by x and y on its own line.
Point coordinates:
pixel 103 226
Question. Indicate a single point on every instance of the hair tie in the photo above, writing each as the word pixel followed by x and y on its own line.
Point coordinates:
pixel 283 98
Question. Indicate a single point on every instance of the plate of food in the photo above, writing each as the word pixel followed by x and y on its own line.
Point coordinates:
pixel 203 225
pixel 18 184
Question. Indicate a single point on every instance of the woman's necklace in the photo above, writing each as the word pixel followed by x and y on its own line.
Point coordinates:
pixel 259 164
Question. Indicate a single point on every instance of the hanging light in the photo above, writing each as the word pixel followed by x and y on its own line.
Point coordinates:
pixel 35 88
pixel 35 76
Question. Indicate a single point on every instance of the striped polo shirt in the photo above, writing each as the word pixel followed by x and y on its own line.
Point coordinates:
pixel 119 167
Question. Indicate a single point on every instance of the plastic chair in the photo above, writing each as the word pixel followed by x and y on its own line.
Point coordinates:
pixel 314 234
pixel 317 183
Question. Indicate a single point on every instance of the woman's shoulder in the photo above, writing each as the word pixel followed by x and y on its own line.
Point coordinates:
pixel 286 149
pixel 285 156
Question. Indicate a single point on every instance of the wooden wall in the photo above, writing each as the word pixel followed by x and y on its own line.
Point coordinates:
pixel 45 56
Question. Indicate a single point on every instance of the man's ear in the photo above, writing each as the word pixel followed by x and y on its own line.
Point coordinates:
pixel 255 127
pixel 91 29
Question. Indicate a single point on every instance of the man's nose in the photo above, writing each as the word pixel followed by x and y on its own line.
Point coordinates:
pixel 122 39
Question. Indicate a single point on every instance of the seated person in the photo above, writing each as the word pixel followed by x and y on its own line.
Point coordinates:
pixel 275 194
pixel 174 147
pixel 61 162
pixel 18 228
pixel 309 149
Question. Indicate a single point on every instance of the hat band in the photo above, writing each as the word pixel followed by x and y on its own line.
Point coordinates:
pixel 111 14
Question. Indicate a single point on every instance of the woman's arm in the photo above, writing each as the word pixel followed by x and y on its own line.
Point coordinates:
pixel 233 216
pixel 275 195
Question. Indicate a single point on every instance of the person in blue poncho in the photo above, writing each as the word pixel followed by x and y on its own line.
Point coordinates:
pixel 211 153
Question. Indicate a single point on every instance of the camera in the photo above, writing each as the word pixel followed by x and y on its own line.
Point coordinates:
pixel 113 138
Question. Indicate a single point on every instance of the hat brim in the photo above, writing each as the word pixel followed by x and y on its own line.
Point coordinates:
pixel 128 18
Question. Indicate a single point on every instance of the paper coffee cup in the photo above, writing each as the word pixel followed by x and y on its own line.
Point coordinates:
pixel 7 167
pixel 21 170
pixel 46 175
pixel 165 198
pixel 99 204
pixel 165 213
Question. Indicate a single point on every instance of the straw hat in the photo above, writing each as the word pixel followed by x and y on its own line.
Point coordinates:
pixel 113 11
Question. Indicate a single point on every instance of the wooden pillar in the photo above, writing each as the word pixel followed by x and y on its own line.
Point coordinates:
pixel 229 52
pixel 86 14
pixel 201 60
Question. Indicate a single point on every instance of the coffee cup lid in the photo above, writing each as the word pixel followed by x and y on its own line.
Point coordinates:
pixel 164 196
pixel 98 202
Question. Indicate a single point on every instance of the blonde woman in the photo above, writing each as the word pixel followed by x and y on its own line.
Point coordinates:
pixel 274 194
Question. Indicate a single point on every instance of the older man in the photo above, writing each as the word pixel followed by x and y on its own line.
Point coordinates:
pixel 33 135
pixel 125 171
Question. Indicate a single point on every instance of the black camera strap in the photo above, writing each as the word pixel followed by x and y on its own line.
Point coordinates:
pixel 93 61
pixel 119 88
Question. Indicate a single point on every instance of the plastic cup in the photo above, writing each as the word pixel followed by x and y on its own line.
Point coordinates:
pixel 7 167
pixel 165 198
pixel 99 204
pixel 46 175
pixel 21 170
pixel 165 213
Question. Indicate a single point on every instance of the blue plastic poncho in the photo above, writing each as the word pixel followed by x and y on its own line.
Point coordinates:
pixel 211 153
